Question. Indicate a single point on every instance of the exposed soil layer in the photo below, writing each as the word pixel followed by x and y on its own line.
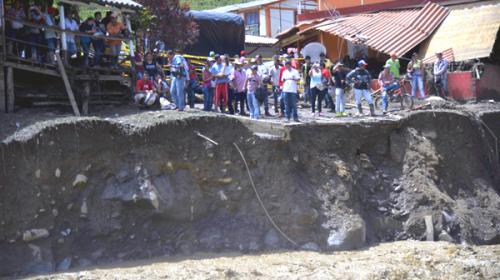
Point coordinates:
pixel 86 191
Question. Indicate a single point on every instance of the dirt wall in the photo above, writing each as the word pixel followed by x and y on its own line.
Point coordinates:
pixel 77 192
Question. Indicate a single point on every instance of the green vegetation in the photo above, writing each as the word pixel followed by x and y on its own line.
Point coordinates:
pixel 211 4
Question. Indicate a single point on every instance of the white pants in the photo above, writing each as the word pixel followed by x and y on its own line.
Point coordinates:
pixel 147 99
pixel 358 93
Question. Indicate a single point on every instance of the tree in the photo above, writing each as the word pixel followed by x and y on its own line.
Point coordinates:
pixel 167 21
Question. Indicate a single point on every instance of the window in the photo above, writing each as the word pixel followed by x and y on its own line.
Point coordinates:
pixel 252 23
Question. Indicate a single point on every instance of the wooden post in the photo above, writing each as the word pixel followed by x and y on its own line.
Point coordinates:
pixel 86 97
pixel 3 96
pixel 429 228
pixel 133 76
pixel 2 22
pixel 10 89
pixel 62 25
pixel 67 85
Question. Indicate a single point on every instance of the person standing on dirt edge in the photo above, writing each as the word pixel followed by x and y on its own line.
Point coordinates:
pixel 179 78
pixel 264 74
pixel 274 73
pixel 416 69
pixel 361 79
pixel 339 77
pixel 252 83
pixel 222 84
pixel 290 78
pixel 441 74
pixel 307 79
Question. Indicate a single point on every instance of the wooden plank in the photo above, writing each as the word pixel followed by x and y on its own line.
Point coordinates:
pixel 67 85
pixel 429 228
pixel 32 68
pixel 10 89
pixel 3 95
pixel 86 97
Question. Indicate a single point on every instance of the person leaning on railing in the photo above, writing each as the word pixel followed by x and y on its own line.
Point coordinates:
pixel 36 37
pixel 14 30
pixel 97 43
pixel 87 27
pixel 115 29
pixel 50 35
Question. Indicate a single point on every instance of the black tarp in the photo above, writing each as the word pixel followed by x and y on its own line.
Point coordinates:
pixel 223 33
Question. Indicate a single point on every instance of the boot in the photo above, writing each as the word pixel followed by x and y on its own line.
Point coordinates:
pixel 372 110
pixel 360 110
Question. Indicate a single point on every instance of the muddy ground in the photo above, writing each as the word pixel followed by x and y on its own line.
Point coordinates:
pixel 122 186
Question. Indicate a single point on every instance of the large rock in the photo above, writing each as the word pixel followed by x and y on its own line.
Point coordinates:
pixel 34 234
pixel 350 235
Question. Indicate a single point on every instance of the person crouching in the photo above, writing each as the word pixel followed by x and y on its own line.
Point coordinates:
pixel 145 92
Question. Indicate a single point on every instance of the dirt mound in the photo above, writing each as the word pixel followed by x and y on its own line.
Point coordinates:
pixel 78 192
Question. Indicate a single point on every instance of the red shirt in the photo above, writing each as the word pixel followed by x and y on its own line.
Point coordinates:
pixel 192 72
pixel 326 73
pixel 141 86
pixel 283 68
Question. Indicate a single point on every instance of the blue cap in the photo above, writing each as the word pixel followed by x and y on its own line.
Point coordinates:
pixel 362 62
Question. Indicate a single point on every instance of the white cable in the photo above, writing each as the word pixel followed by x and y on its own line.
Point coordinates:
pixel 260 200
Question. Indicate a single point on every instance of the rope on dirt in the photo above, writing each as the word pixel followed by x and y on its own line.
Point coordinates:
pixel 260 200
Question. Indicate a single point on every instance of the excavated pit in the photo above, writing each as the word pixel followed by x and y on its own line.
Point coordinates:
pixel 86 191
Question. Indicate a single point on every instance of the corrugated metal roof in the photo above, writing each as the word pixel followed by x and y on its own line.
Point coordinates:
pixel 397 31
pixel 259 40
pixel 470 30
pixel 120 3
pixel 447 54
pixel 251 4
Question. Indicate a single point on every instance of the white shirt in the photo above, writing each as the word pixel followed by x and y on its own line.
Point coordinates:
pixel 290 78
pixel 73 26
pixel 275 75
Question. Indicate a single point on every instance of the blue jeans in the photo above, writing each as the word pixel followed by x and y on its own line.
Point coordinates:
pixel 278 98
pixel 177 92
pixel 85 44
pixel 359 93
pixel 208 98
pixel 115 53
pixel 239 98
pixel 253 105
pixel 307 92
pixel 266 99
pixel 385 97
pixel 71 48
pixel 98 51
pixel 329 100
pixel 230 98
pixel 417 80
pixel 339 100
pixel 191 97
pixel 290 105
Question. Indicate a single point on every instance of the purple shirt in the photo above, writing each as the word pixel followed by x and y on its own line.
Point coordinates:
pixel 253 82
pixel 239 80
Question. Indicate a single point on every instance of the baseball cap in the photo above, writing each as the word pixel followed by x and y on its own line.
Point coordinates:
pixel 362 62
pixel 387 66
pixel 254 67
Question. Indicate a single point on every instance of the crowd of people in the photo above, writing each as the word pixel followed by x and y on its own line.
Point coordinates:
pixel 32 33
pixel 237 85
